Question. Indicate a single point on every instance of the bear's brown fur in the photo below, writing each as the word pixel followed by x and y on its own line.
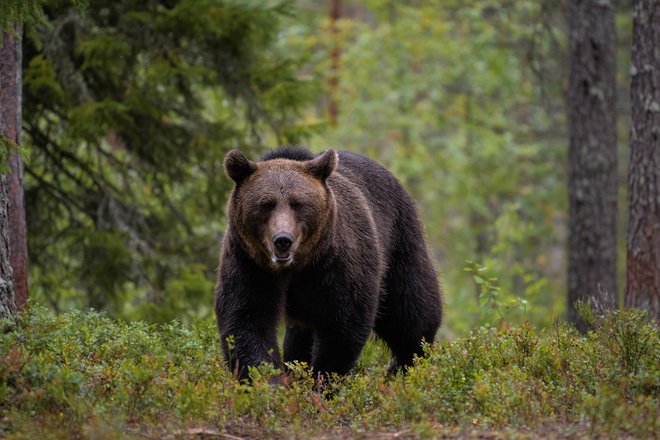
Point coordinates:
pixel 333 243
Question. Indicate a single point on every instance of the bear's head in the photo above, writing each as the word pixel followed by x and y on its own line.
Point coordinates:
pixel 281 209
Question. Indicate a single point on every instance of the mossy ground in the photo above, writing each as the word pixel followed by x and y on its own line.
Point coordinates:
pixel 83 375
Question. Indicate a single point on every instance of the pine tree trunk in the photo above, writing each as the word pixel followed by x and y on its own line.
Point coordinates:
pixel 10 101
pixel 335 54
pixel 7 303
pixel 592 164
pixel 643 263
pixel 12 215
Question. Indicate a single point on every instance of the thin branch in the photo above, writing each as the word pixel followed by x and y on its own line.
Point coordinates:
pixel 59 194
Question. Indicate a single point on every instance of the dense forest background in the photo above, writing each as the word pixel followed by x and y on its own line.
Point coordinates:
pixel 129 108
pixel 527 132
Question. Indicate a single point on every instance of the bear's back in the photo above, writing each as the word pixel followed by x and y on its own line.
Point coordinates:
pixel 391 206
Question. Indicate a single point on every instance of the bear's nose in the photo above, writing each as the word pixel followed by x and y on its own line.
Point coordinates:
pixel 282 241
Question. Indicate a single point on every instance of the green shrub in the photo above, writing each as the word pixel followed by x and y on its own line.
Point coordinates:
pixel 84 375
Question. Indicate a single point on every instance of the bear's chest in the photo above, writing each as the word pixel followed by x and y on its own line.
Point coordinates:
pixel 308 302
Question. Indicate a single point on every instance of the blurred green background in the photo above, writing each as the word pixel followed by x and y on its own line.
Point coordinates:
pixel 130 106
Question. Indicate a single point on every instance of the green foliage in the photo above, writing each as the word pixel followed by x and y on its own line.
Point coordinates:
pixel 13 12
pixel 18 11
pixel 7 147
pixel 81 374
pixel 495 304
pixel 130 108
pixel 455 97
pixel 586 311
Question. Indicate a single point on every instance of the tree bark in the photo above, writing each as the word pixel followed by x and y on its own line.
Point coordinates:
pixel 643 262
pixel 592 163
pixel 11 103
pixel 10 89
pixel 7 302
pixel 17 229
pixel 335 54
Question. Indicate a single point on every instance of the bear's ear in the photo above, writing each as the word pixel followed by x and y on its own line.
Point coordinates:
pixel 322 166
pixel 238 167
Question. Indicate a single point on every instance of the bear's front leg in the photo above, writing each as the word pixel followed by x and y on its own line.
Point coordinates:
pixel 248 339
pixel 336 350
pixel 247 310
pixel 298 343
pixel 342 308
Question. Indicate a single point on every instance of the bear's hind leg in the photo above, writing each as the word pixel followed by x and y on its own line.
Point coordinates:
pixel 411 309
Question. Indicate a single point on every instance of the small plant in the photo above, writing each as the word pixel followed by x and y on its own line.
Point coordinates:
pixel 629 337
pixel 594 306
pixel 495 304
pixel 586 311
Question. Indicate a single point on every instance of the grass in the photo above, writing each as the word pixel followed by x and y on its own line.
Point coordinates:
pixel 83 375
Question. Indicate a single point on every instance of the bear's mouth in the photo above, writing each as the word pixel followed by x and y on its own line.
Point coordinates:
pixel 282 259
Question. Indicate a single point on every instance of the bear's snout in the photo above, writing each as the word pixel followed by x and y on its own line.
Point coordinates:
pixel 282 236
pixel 283 242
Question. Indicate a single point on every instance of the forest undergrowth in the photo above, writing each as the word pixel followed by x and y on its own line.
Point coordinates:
pixel 84 375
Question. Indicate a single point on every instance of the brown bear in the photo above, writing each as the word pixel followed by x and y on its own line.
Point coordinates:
pixel 333 244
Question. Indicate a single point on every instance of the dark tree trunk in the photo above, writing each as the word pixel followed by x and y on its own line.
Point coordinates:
pixel 643 264
pixel 11 102
pixel 7 303
pixel 335 54
pixel 592 164
pixel 10 91
pixel 17 229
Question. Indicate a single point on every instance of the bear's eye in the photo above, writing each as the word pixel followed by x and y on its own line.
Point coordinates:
pixel 267 205
pixel 296 205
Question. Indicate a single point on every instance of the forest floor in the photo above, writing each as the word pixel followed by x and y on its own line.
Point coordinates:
pixel 84 375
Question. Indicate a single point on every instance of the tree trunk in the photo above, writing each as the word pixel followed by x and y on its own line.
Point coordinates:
pixel 17 229
pixel 592 164
pixel 10 101
pixel 643 264
pixel 333 83
pixel 10 66
pixel 7 303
